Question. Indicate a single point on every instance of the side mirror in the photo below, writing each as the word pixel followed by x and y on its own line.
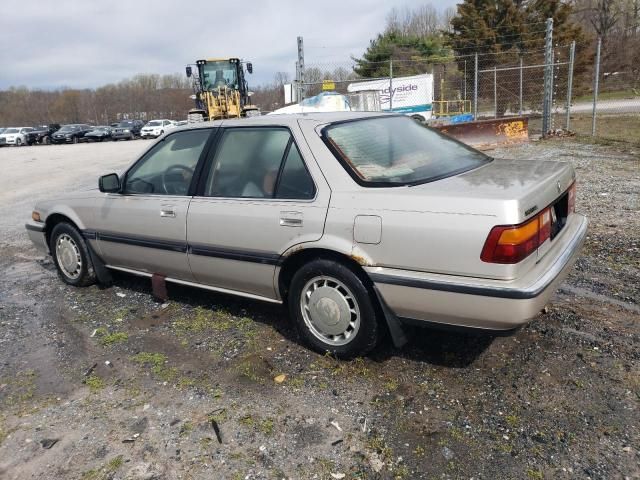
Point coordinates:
pixel 188 72
pixel 249 67
pixel 109 183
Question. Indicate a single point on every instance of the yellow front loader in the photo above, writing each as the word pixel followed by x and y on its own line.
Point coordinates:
pixel 220 89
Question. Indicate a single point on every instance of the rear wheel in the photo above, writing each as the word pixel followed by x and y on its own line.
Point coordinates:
pixel 71 256
pixel 332 309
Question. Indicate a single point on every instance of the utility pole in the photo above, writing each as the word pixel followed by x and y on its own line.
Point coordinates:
pixel 548 77
pixel 301 68
pixel 572 54
pixel 297 83
pixel 596 81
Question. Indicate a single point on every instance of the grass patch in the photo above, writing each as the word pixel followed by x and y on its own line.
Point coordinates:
pixel 204 320
pixel 624 128
pixel 512 420
pixel 158 364
pixel 615 95
pixel 106 471
pixel 113 338
pixel 186 429
pixel 266 426
pixel 535 474
pixel 19 391
pixel 95 383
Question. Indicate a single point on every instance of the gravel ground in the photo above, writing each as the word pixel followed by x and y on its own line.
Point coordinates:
pixel 109 383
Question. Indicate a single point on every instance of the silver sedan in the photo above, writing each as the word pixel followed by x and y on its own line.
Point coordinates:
pixel 358 222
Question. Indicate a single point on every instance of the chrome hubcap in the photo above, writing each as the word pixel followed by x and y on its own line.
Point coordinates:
pixel 330 310
pixel 68 256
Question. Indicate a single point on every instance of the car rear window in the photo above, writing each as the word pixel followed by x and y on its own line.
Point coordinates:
pixel 396 150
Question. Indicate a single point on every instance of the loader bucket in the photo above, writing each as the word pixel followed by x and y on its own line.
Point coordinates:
pixel 484 134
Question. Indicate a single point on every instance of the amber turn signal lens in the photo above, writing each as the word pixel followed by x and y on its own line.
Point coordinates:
pixel 35 216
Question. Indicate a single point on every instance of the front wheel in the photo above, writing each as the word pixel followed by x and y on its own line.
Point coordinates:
pixel 333 309
pixel 71 256
pixel 18 142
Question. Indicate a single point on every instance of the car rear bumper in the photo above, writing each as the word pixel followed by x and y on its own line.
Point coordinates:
pixel 481 303
pixel 37 235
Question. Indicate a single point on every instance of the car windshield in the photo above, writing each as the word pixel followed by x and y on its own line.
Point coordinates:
pixel 154 123
pixel 221 73
pixel 125 124
pixel 100 129
pixel 68 128
pixel 11 130
pixel 388 151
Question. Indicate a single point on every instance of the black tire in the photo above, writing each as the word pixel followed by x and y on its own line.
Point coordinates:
pixel 46 140
pixel 75 139
pixel 360 298
pixel 86 275
pixel 18 142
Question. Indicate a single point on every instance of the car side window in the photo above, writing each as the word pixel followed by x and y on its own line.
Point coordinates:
pixel 295 182
pixel 247 163
pixel 167 169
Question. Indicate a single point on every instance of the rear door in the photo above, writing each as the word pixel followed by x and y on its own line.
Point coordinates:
pixel 144 227
pixel 260 194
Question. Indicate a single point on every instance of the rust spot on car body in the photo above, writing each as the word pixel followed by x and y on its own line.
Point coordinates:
pixel 360 260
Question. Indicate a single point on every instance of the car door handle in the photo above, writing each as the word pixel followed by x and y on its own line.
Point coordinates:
pixel 168 212
pixel 290 219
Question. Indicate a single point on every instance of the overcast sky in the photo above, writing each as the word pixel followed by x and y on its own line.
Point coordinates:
pixel 87 43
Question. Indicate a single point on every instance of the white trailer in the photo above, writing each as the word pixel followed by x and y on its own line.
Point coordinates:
pixel 412 95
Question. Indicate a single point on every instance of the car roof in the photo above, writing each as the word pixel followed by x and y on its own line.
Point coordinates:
pixel 286 119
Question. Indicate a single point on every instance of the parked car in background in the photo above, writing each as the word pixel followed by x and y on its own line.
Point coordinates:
pixel 98 134
pixel 127 130
pixel 356 221
pixel 155 128
pixel 15 136
pixel 42 134
pixel 72 133
pixel 180 123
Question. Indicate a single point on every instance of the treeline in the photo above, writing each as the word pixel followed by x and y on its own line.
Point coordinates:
pixel 144 97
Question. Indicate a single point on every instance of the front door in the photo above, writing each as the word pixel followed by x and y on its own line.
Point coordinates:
pixel 258 198
pixel 144 226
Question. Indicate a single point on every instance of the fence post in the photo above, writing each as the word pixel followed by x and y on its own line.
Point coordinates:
pixel 572 54
pixel 595 88
pixel 495 92
pixel 548 77
pixel 465 81
pixel 521 109
pixel 390 83
pixel 475 90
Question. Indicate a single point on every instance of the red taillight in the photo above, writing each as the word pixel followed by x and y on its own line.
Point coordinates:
pixel 513 243
pixel 571 200
pixel 544 220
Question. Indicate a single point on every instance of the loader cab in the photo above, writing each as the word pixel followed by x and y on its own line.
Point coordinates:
pixel 220 73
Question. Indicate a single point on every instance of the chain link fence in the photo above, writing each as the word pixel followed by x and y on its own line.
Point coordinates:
pixel 487 86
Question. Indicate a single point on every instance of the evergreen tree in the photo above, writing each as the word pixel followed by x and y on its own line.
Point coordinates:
pixel 411 54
